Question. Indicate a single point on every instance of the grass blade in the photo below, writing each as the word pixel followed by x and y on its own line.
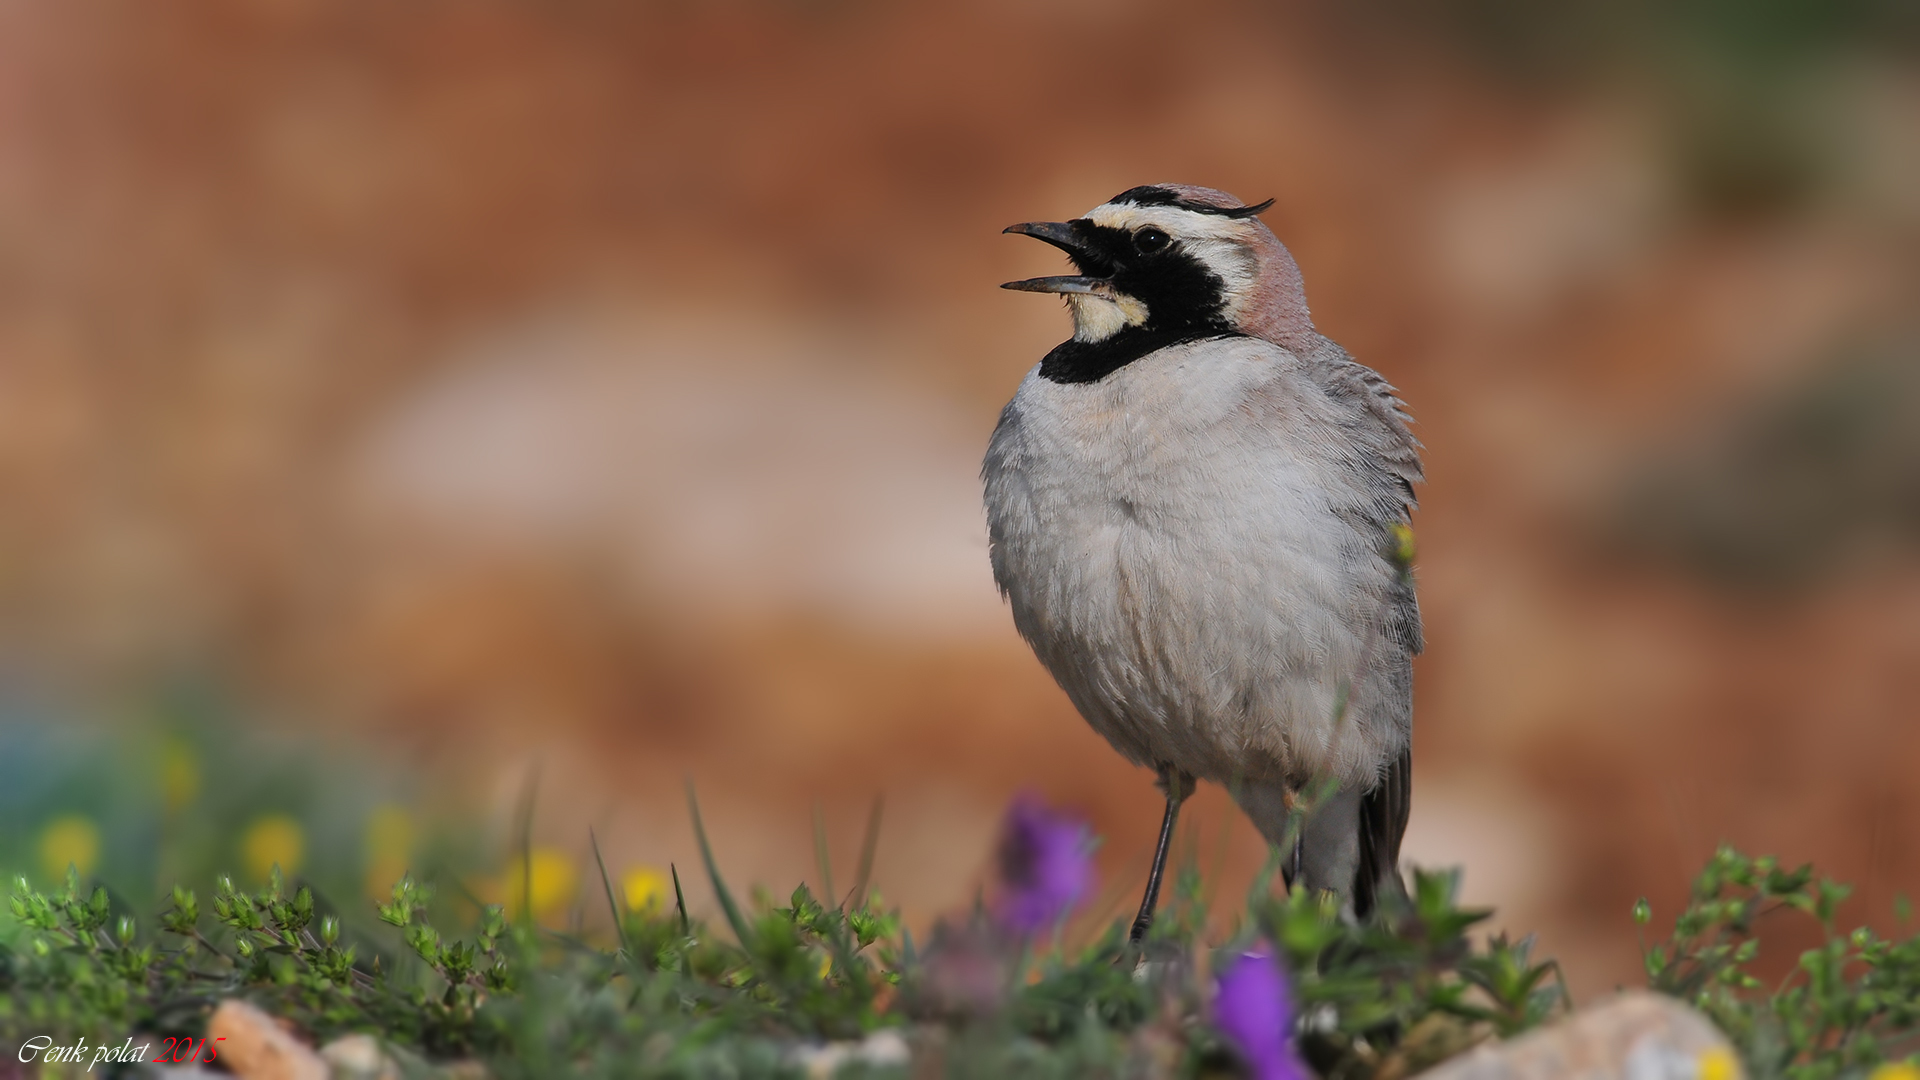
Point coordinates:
pixel 821 858
pixel 732 910
pixel 858 897
pixel 619 924
pixel 524 821
pixel 680 902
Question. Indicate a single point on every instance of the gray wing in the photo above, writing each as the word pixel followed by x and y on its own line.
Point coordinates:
pixel 1003 477
pixel 1375 423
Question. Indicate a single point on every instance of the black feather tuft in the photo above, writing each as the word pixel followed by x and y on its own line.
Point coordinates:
pixel 1242 211
pixel 1152 195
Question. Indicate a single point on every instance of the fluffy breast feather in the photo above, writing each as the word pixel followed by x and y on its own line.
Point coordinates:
pixel 1192 546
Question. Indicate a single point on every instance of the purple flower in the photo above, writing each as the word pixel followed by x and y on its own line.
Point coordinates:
pixel 1046 865
pixel 1254 1010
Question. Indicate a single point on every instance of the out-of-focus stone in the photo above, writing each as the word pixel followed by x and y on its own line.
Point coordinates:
pixel 359 1057
pixel 882 1048
pixel 1636 1036
pixel 255 1047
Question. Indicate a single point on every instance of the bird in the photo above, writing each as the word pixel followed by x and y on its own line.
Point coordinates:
pixel 1199 513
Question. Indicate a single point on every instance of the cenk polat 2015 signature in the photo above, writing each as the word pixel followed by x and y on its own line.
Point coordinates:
pixel 171 1052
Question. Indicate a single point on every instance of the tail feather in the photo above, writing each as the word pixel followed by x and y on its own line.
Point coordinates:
pixel 1383 822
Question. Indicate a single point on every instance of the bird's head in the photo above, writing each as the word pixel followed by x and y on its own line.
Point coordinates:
pixel 1173 257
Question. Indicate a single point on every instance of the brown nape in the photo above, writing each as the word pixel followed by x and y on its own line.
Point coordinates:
pixel 1276 308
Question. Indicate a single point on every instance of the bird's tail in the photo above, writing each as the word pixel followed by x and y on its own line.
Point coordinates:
pixel 1383 822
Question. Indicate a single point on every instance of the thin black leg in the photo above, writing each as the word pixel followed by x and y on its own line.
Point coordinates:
pixel 1176 794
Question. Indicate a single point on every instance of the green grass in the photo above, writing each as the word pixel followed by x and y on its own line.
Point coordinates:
pixel 441 976
pixel 674 996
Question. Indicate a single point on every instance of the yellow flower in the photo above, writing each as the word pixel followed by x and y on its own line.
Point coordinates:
pixel 553 880
pixel 1717 1064
pixel 179 775
pixel 1895 1070
pixel 1403 546
pixel 70 840
pixel 273 840
pixel 389 848
pixel 643 888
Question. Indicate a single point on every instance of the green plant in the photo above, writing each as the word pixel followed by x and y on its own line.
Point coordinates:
pixel 1408 989
pixel 1848 1004
pixel 672 996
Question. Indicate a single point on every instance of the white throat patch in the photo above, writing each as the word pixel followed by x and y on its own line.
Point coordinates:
pixel 1097 318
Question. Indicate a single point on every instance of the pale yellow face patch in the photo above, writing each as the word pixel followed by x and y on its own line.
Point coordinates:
pixel 1097 318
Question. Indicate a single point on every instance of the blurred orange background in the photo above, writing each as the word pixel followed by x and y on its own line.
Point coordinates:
pixel 602 386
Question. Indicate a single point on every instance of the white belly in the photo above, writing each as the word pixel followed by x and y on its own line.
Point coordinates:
pixel 1166 540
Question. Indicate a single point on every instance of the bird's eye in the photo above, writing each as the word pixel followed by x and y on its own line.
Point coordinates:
pixel 1149 240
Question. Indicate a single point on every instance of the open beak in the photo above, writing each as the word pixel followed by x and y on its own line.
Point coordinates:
pixel 1063 235
pixel 1070 283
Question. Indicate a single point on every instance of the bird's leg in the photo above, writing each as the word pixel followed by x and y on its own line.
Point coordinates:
pixel 1177 786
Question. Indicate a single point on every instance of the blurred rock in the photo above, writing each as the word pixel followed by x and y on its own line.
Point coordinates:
pixel 735 477
pixel 882 1049
pixel 1636 1036
pixel 359 1057
pixel 255 1047
pixel 1816 477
